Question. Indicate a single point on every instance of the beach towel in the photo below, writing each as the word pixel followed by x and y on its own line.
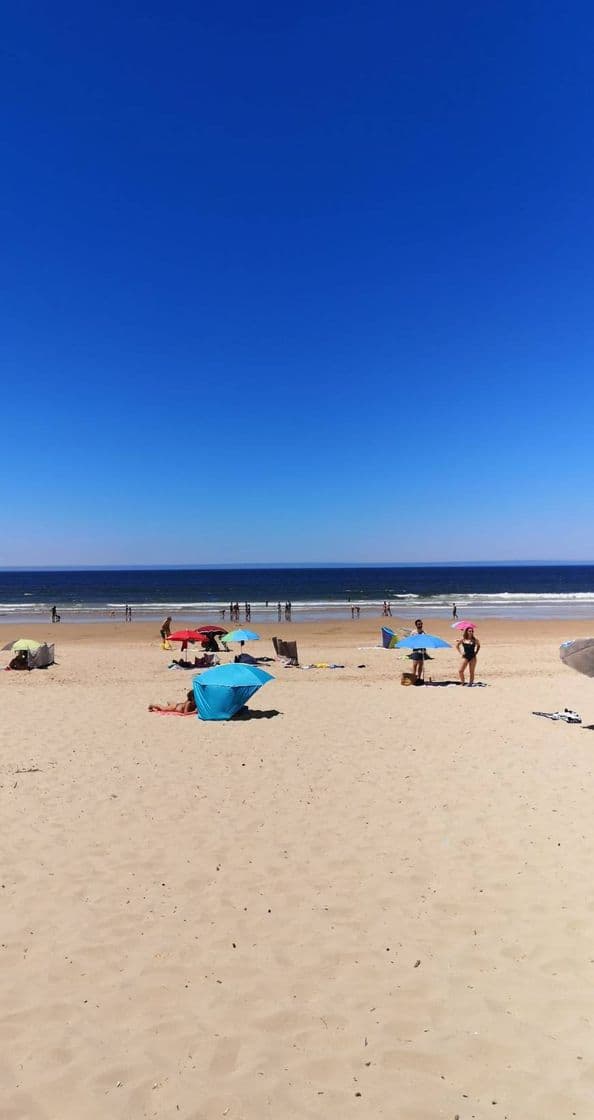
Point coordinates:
pixel 323 665
pixel 566 715
pixel 156 712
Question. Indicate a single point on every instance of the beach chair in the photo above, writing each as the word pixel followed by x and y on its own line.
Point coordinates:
pixel 287 651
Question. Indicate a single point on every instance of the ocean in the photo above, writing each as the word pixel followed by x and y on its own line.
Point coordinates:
pixel 479 591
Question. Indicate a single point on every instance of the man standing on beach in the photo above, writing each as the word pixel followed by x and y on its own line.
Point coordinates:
pixel 418 655
pixel 454 612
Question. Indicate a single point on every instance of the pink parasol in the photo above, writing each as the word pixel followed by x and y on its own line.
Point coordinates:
pixel 463 625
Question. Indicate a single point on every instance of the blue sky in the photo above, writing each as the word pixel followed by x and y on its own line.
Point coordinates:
pixel 302 284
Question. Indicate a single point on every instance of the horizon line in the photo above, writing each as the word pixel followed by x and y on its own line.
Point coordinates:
pixel 274 565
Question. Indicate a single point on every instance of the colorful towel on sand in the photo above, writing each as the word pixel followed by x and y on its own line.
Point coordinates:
pixel 157 712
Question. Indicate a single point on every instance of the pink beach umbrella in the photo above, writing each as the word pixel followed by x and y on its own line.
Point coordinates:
pixel 463 625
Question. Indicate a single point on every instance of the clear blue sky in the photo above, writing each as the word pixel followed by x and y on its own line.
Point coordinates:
pixel 306 282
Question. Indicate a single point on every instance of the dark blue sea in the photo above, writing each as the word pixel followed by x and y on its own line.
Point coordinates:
pixel 497 591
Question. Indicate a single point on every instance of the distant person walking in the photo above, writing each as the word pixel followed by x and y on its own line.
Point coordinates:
pixel 468 648
pixel 454 612
pixel 55 615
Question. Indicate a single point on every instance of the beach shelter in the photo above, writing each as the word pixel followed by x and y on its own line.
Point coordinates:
pixel 222 691
pixel 389 638
pixel 23 643
pixel 579 655
pixel 39 654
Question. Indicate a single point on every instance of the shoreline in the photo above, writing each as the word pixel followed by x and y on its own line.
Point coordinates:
pixel 433 615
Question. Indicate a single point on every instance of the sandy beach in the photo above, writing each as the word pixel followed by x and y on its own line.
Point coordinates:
pixel 364 900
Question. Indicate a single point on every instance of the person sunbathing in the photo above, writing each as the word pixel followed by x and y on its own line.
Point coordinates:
pixel 184 708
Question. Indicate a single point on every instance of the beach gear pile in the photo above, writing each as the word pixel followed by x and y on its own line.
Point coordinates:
pixel 566 715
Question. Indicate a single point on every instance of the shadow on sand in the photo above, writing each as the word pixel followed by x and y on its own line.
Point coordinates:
pixel 256 713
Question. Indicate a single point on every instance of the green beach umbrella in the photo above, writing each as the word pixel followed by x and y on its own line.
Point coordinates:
pixel 23 643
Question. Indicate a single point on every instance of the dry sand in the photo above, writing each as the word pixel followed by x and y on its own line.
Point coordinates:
pixel 376 903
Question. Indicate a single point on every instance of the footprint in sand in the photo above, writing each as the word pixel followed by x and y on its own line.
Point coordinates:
pixel 225 1056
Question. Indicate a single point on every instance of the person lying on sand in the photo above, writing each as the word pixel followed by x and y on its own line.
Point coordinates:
pixel 187 705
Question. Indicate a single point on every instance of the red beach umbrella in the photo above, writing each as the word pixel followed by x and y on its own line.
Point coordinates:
pixel 186 636
pixel 210 628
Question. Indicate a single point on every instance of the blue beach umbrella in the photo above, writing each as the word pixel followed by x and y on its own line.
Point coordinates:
pixel 422 641
pixel 222 691
pixel 242 636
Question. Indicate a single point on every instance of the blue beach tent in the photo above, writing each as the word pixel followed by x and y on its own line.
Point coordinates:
pixel 222 691
pixel 389 638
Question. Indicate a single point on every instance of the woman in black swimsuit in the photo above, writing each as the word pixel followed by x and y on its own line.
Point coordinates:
pixel 468 647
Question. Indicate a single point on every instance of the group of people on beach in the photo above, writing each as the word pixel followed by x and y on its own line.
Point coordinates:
pixel 468 646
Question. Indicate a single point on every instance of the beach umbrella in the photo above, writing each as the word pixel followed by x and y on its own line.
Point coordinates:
pixel 463 625
pixel 422 641
pixel 221 692
pixel 211 628
pixel 241 636
pixel 23 643
pixel 186 636
pixel 579 655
